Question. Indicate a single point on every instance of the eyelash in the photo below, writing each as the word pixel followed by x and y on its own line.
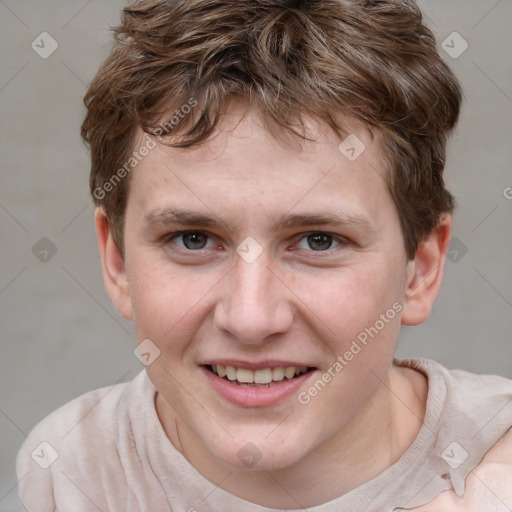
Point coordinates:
pixel 340 240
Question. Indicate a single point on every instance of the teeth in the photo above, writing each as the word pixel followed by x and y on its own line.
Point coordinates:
pixel 230 373
pixel 245 376
pixel 221 370
pixel 278 374
pixel 263 376
pixel 289 372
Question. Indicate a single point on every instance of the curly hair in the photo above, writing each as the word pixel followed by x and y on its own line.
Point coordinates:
pixel 374 60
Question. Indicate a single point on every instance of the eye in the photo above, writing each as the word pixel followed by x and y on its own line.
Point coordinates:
pixel 318 242
pixel 190 240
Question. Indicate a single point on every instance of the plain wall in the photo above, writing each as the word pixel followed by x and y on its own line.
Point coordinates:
pixel 60 335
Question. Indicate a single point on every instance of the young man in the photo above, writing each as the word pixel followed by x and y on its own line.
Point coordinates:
pixel 271 208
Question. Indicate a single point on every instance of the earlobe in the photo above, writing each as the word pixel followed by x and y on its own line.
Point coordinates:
pixel 425 273
pixel 113 266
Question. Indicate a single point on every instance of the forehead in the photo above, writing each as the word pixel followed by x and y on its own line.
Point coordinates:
pixel 245 167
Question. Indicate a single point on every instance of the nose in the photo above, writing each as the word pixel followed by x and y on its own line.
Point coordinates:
pixel 255 303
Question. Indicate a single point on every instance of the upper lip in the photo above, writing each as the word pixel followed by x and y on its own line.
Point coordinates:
pixel 248 365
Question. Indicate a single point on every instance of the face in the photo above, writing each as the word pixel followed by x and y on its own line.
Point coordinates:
pixel 262 255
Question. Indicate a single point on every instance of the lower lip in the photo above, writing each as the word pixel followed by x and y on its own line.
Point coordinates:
pixel 255 397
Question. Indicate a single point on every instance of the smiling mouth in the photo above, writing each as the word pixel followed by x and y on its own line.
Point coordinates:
pixel 264 378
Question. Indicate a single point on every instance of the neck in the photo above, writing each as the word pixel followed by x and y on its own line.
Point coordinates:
pixel 373 441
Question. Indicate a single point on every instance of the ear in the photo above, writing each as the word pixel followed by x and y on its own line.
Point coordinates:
pixel 425 273
pixel 113 265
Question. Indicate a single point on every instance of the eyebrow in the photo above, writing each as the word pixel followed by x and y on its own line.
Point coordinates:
pixel 165 216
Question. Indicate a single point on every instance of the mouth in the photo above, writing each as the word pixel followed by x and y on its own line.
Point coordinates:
pixel 256 384
pixel 261 378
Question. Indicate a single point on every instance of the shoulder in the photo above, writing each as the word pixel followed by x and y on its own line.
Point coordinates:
pixel 79 435
pixel 501 452
pixel 79 413
pixel 479 407
pixel 487 487
pixel 492 478
pixel 464 384
pixel 486 401
pixel 461 384
pixel 476 403
pixel 476 408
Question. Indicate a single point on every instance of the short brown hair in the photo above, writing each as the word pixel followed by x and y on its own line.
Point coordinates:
pixel 372 59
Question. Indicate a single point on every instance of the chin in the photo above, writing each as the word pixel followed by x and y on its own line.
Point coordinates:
pixel 261 454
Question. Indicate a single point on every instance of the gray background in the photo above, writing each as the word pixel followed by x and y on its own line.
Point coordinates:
pixel 61 337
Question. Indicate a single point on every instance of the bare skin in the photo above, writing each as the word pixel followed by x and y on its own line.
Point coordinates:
pixel 295 301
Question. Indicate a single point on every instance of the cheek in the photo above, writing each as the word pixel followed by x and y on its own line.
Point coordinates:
pixel 350 299
pixel 166 303
pixel 356 314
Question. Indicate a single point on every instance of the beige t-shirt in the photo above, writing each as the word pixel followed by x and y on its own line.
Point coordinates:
pixel 107 451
